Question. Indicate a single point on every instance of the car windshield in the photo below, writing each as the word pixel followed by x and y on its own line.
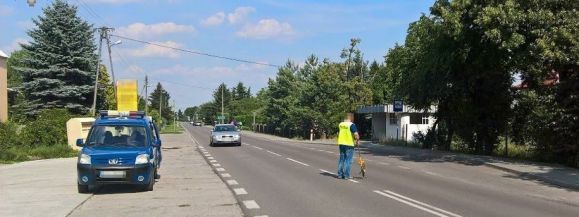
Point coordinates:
pixel 117 135
pixel 225 128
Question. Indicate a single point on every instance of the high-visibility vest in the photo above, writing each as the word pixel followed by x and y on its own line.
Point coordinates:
pixel 345 136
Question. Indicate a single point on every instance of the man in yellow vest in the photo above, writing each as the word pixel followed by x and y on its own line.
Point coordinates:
pixel 348 138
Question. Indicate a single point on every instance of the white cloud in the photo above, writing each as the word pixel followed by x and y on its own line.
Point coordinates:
pixel 214 20
pixel 141 30
pixel 5 10
pixel 267 28
pixel 134 69
pixel 150 50
pixel 239 14
pixel 14 45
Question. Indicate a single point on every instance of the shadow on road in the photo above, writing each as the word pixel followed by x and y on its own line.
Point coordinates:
pixel 118 189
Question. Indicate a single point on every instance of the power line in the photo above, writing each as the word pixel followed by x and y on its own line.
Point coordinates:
pixel 197 52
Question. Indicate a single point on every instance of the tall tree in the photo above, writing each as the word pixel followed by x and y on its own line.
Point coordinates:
pixel 155 98
pixel 106 94
pixel 221 91
pixel 60 69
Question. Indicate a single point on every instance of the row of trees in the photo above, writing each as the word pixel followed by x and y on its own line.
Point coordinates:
pixel 463 57
pixel 238 103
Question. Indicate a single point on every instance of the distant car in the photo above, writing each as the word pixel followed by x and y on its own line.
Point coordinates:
pixel 225 134
pixel 121 148
pixel 197 124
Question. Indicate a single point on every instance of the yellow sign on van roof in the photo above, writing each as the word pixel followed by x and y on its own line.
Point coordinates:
pixel 127 99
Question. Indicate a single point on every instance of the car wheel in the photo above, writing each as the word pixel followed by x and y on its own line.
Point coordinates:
pixel 83 189
pixel 238 144
pixel 149 186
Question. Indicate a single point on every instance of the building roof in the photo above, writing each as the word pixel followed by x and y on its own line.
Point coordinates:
pixel 2 54
pixel 390 109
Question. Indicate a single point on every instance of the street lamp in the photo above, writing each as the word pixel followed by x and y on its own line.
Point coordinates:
pixel 31 3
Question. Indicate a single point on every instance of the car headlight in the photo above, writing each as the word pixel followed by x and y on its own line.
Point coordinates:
pixel 142 159
pixel 236 136
pixel 84 159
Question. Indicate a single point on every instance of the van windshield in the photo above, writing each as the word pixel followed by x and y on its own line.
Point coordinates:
pixel 117 135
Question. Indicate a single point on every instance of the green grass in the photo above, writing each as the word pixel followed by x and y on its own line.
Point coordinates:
pixel 172 129
pixel 19 154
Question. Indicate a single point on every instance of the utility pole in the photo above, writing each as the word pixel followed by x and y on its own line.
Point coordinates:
pixel 103 34
pixel 253 126
pixel 146 94
pixel 222 116
pixel 160 105
pixel 174 118
pixel 109 45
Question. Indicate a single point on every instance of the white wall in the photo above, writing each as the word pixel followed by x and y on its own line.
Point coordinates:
pixel 383 130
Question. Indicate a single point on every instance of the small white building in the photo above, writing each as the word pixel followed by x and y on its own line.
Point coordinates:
pixel 388 125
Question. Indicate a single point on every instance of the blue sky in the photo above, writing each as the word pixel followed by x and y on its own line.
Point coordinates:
pixel 266 31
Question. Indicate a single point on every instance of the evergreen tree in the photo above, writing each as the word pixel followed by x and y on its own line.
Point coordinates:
pixel 60 69
pixel 106 94
pixel 217 96
pixel 154 99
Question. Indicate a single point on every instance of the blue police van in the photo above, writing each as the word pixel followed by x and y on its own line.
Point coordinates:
pixel 121 148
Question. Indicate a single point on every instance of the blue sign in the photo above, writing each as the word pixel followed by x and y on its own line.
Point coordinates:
pixel 398 106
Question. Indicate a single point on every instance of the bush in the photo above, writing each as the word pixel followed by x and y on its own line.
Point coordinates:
pixel 52 124
pixel 8 135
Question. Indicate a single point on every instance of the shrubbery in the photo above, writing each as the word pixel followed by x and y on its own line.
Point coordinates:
pixel 44 137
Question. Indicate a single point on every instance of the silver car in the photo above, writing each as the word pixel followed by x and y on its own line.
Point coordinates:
pixel 225 134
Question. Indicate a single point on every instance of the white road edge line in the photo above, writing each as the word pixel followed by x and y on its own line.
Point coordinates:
pixel 271 152
pixel 250 204
pixel 302 163
pixel 239 191
pixel 325 171
pixel 423 204
pixel 232 182
pixel 257 147
pixel 410 204
pixel 354 181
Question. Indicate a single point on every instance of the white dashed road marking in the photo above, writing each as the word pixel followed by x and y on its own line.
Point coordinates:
pixel 239 191
pixel 213 161
pixel 232 182
pixel 220 169
pixel 403 167
pixel 352 180
pixel 250 204
pixel 271 152
pixel 225 175
pixel 257 147
pixel 328 172
pixel 302 163
pixel 216 165
pixel 210 158
pixel 417 204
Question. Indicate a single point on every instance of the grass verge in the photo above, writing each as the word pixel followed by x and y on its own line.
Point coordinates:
pixel 172 129
pixel 19 154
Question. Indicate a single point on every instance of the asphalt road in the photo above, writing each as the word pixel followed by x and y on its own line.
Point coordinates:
pixel 281 178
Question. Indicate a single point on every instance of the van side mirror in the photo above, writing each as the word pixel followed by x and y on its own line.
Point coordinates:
pixel 79 142
pixel 157 143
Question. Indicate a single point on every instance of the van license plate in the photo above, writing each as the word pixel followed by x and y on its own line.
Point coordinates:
pixel 112 174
